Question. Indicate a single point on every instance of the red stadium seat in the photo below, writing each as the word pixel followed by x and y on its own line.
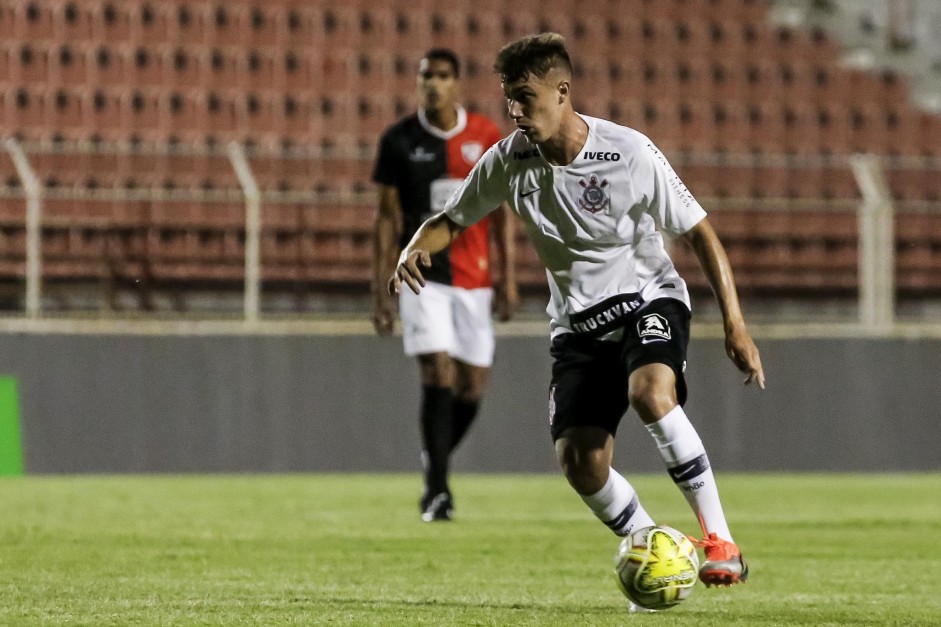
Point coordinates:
pixel 262 118
pixel 903 123
pixel 191 23
pixel 801 128
pixel 772 181
pixel 65 113
pixel 733 134
pixel 449 27
pixel 229 25
pixel 104 111
pixel 929 134
pixel 766 121
pixel 221 113
pixel 376 26
pixel 111 23
pixel 71 65
pixel 223 70
pixel 835 129
pixel 143 112
pixel 300 125
pixel 518 23
pixel 72 22
pixel 108 67
pixel 908 183
pixel 338 28
pixel 187 67
pixel 697 126
pixel 32 21
pixel 869 128
pixel 150 23
pixel 661 122
pixel 264 25
pixel 918 253
pixel 695 79
pixel 31 64
pixel 7 61
pixel 839 183
pixel 26 111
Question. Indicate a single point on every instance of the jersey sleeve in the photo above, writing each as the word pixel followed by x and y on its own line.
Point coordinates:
pixel 671 204
pixel 387 171
pixel 481 192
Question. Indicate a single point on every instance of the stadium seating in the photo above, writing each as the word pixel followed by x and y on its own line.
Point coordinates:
pixel 701 77
pixel 785 252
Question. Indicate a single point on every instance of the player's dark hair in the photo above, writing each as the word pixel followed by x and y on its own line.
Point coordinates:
pixel 445 54
pixel 533 54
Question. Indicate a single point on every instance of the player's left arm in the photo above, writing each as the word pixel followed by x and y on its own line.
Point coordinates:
pixel 433 236
pixel 739 345
pixel 482 191
pixel 506 291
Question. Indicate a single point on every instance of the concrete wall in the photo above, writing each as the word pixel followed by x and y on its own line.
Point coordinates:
pixel 99 403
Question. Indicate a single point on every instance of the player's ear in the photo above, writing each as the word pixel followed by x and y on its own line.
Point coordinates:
pixel 564 90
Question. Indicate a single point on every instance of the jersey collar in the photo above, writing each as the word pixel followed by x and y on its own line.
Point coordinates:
pixel 590 121
pixel 437 132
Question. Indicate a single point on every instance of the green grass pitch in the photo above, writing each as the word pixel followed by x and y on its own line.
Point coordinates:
pixel 523 550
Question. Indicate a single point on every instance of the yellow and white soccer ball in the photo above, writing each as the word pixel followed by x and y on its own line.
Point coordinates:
pixel 656 567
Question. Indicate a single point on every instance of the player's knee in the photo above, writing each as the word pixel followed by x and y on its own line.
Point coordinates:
pixel 652 391
pixel 652 401
pixel 470 382
pixel 585 470
pixel 436 370
pixel 468 391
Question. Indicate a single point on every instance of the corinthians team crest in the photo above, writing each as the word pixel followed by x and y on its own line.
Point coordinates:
pixel 594 198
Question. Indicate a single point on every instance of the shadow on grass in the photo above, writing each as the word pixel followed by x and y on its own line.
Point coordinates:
pixel 458 605
pixel 750 614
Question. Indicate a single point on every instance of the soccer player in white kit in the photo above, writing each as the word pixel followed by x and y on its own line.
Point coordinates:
pixel 594 197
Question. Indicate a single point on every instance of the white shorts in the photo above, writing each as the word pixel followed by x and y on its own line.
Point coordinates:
pixel 447 319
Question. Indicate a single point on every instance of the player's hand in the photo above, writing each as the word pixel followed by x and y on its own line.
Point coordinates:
pixel 383 318
pixel 407 271
pixel 742 351
pixel 506 302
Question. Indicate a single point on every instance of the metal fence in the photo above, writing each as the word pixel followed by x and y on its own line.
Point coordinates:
pixel 302 216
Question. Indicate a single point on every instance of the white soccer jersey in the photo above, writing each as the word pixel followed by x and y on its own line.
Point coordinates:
pixel 594 222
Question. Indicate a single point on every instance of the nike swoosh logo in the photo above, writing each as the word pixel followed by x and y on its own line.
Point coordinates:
pixel 650 341
pixel 529 193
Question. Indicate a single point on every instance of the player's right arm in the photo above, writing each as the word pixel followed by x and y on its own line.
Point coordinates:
pixel 385 235
pixel 432 237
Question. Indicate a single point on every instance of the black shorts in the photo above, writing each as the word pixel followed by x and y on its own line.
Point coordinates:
pixel 589 376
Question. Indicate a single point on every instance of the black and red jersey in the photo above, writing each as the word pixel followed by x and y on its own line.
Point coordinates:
pixel 425 165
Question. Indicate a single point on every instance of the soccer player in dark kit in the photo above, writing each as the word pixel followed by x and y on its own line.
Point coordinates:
pixel 594 197
pixel 422 160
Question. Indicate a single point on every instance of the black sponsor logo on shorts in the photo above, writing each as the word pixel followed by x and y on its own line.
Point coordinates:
pixel 606 316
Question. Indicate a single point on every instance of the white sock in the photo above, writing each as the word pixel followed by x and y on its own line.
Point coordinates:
pixel 617 505
pixel 688 465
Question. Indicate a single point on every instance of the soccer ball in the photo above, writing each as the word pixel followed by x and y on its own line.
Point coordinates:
pixel 656 567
